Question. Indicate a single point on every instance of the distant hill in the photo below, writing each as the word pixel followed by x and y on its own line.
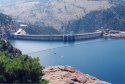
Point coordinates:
pixel 8 25
pixel 53 16
pixel 38 30
pixel 54 13
pixel 112 18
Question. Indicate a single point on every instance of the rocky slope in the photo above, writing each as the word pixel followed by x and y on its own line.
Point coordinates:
pixel 68 75
pixel 68 15
pixel 55 13
pixel 7 26
pixel 6 47
pixel 38 30
pixel 112 18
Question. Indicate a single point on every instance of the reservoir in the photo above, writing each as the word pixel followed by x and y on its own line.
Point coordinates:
pixel 101 58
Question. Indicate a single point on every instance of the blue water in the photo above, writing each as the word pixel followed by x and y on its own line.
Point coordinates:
pixel 104 59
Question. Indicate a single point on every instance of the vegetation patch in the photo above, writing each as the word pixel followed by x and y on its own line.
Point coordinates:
pixel 18 68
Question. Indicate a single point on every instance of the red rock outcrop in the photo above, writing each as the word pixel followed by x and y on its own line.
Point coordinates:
pixel 68 75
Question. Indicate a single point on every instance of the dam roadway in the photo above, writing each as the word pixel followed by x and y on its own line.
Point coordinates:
pixel 65 37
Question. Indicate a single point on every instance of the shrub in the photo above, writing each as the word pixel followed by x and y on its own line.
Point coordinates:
pixel 20 69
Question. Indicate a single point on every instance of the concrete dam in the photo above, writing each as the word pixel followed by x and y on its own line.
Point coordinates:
pixel 65 37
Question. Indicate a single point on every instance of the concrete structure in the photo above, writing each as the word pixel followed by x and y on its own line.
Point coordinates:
pixel 66 37
pixel 20 32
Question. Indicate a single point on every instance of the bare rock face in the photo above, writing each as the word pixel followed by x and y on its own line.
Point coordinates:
pixel 68 75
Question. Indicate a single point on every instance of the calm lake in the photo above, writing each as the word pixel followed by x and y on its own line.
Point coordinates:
pixel 102 58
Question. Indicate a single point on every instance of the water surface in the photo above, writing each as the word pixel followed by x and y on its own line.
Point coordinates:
pixel 104 59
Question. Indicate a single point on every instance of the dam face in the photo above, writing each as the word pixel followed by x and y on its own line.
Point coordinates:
pixel 66 37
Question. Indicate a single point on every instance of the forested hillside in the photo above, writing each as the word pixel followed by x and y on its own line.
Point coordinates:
pixel 38 30
pixel 112 18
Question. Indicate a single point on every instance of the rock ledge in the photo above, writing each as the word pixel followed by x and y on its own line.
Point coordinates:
pixel 68 75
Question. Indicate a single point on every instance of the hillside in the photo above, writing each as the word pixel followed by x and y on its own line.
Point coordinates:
pixel 55 13
pixel 7 26
pixel 38 30
pixel 53 16
pixel 112 18
pixel 9 49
